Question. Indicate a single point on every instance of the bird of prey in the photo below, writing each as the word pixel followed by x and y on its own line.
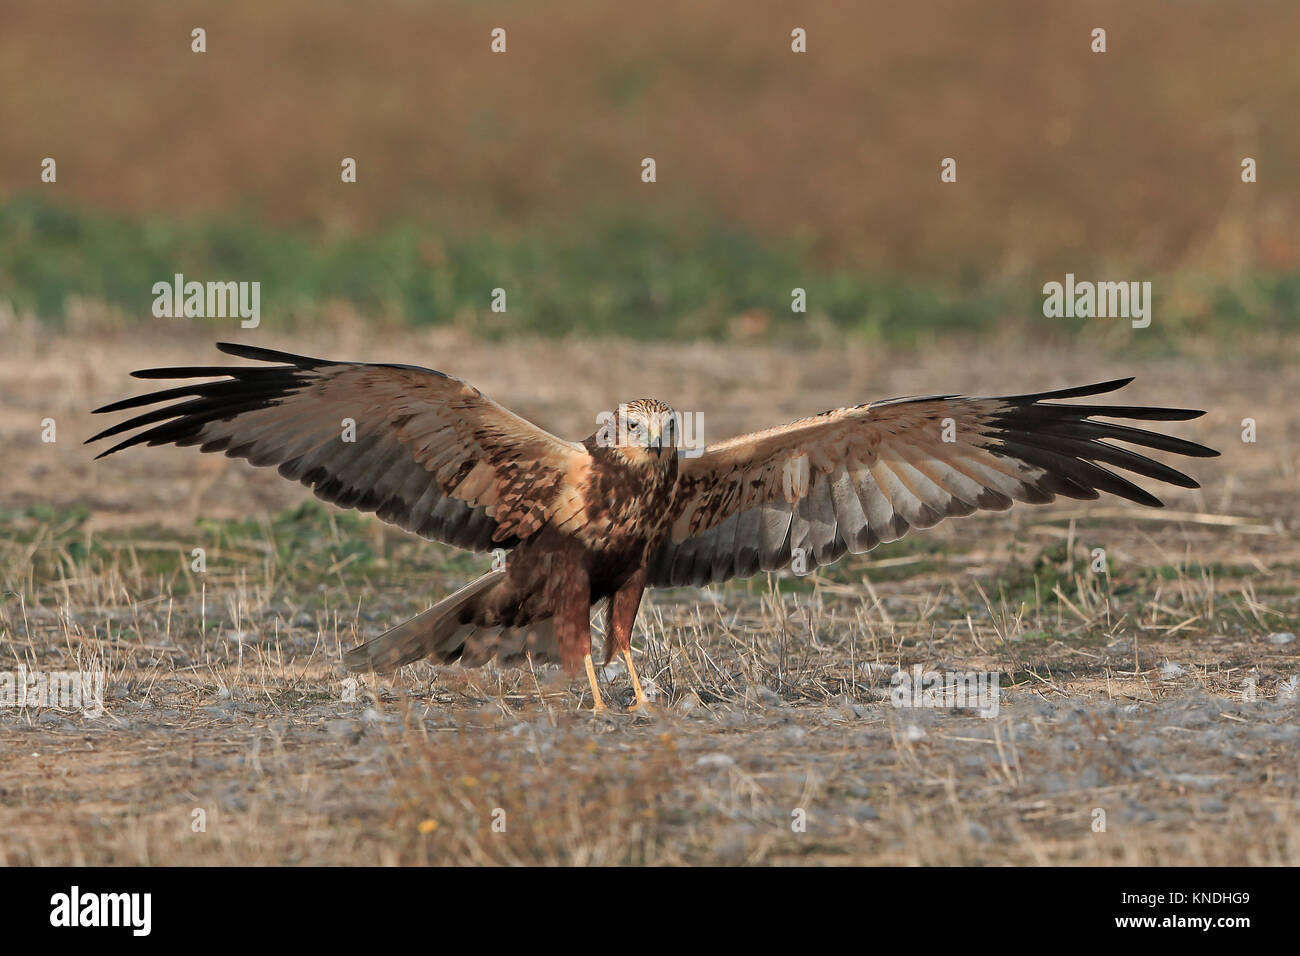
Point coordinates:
pixel 625 509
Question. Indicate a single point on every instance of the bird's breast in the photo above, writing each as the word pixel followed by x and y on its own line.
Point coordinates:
pixel 626 512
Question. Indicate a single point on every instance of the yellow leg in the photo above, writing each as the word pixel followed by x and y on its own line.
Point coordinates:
pixel 642 702
pixel 598 707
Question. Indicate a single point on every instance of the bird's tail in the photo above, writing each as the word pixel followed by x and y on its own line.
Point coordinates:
pixel 438 632
pixel 446 634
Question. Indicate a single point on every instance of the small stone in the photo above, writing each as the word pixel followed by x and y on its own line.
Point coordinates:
pixel 715 760
pixel 1169 670
pixel 1199 781
pixel 688 704
pixel 767 696
pixel 847 707
pixel 1282 637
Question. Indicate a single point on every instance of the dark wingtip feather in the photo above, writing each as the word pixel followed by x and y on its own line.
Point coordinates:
pixel 187 371
pixel 1080 391
pixel 233 348
pixel 150 398
pixel 240 389
pixel 1143 412
pixel 1067 441
pixel 118 447
pixel 269 355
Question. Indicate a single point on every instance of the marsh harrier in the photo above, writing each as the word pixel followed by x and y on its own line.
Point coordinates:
pixel 604 518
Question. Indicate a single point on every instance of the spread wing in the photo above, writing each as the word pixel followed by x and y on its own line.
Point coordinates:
pixel 849 479
pixel 428 452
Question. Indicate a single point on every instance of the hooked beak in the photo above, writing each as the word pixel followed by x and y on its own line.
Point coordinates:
pixel 656 443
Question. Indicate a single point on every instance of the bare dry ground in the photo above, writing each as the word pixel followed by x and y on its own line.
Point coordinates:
pixel 1162 693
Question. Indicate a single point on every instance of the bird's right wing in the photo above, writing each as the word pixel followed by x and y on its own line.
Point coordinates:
pixel 426 451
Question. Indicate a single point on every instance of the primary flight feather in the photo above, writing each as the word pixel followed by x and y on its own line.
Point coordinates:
pixel 605 518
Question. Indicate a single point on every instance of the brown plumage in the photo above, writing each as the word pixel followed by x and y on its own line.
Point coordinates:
pixel 603 519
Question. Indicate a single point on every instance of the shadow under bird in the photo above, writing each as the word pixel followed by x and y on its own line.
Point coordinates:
pixel 603 519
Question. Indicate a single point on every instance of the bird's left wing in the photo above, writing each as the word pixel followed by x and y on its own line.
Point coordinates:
pixel 425 451
pixel 849 479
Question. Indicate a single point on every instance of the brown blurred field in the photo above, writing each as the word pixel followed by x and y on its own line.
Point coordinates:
pixel 1153 693
pixel 1128 160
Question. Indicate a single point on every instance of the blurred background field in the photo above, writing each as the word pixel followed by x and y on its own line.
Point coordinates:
pixel 775 170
